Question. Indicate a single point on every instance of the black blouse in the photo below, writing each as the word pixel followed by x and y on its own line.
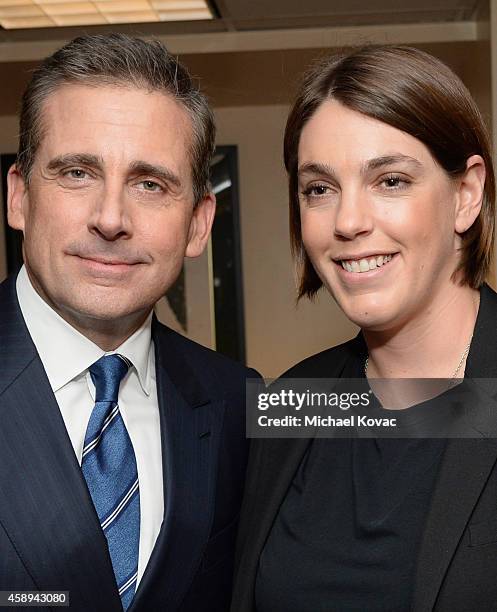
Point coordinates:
pixel 347 534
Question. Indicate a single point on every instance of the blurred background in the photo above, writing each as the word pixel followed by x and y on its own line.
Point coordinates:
pixel 247 55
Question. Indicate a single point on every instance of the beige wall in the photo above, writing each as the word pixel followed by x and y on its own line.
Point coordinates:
pixel 278 333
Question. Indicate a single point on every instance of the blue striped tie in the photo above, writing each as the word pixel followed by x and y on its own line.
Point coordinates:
pixel 109 467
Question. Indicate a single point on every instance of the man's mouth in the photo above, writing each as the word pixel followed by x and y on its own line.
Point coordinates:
pixel 107 261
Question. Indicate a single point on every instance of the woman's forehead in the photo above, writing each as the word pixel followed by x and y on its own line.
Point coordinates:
pixel 337 135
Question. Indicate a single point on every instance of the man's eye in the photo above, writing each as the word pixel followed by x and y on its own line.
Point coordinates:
pixel 151 186
pixel 76 173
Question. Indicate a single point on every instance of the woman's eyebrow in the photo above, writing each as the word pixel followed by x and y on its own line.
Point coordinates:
pixel 317 168
pixel 387 160
pixel 375 163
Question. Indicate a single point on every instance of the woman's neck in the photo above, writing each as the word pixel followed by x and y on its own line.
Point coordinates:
pixel 433 345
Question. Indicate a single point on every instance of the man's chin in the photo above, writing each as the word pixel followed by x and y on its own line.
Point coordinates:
pixel 103 313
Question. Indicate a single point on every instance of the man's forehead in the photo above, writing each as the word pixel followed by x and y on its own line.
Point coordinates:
pixel 92 112
pixel 113 121
pixel 98 87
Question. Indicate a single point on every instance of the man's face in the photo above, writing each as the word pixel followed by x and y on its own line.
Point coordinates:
pixel 108 215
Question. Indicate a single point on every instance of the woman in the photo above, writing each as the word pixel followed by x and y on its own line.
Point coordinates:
pixel 392 210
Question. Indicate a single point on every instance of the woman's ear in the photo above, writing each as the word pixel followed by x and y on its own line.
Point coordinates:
pixel 470 193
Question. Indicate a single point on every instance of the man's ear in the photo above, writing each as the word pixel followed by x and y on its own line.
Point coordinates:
pixel 16 192
pixel 470 193
pixel 200 225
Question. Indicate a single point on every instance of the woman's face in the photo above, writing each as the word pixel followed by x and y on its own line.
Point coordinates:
pixel 378 216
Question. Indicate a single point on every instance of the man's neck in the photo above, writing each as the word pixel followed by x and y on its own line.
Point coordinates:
pixel 108 334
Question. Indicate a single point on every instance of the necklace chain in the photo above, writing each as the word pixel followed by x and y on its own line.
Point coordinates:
pixel 463 357
pixel 456 371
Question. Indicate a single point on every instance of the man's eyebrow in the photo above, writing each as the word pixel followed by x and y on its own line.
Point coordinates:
pixel 160 172
pixel 74 159
pixel 387 160
pixel 94 161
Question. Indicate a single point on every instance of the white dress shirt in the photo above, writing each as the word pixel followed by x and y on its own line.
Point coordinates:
pixel 66 356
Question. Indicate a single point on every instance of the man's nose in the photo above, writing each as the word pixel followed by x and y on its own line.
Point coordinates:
pixel 109 218
pixel 354 216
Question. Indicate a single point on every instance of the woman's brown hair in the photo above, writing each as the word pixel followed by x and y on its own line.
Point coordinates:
pixel 413 92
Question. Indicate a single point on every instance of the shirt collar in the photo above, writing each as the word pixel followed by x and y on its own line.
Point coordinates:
pixel 138 349
pixel 64 351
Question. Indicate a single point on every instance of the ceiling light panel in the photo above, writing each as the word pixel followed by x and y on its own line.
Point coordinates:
pixel 16 14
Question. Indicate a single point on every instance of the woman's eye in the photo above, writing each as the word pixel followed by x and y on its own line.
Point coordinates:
pixel 394 182
pixel 316 190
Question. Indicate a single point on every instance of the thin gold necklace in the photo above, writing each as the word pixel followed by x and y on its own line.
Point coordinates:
pixel 456 371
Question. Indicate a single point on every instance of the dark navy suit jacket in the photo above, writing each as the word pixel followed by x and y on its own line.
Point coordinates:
pixel 50 537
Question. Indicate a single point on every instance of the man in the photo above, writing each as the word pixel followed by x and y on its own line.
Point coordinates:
pixel 122 447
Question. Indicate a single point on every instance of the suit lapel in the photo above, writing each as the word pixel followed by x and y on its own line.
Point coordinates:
pixel 191 427
pixel 45 507
pixel 465 467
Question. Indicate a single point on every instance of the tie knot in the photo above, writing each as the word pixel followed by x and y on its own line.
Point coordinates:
pixel 107 374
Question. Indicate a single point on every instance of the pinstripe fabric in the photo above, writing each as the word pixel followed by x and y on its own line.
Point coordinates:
pixel 109 467
pixel 50 535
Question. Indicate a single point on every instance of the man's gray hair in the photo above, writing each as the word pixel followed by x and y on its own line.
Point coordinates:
pixel 117 59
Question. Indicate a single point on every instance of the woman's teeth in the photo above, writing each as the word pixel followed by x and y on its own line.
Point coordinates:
pixel 365 265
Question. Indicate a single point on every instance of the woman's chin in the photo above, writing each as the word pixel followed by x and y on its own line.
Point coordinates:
pixel 369 311
pixel 373 318
pixel 371 322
